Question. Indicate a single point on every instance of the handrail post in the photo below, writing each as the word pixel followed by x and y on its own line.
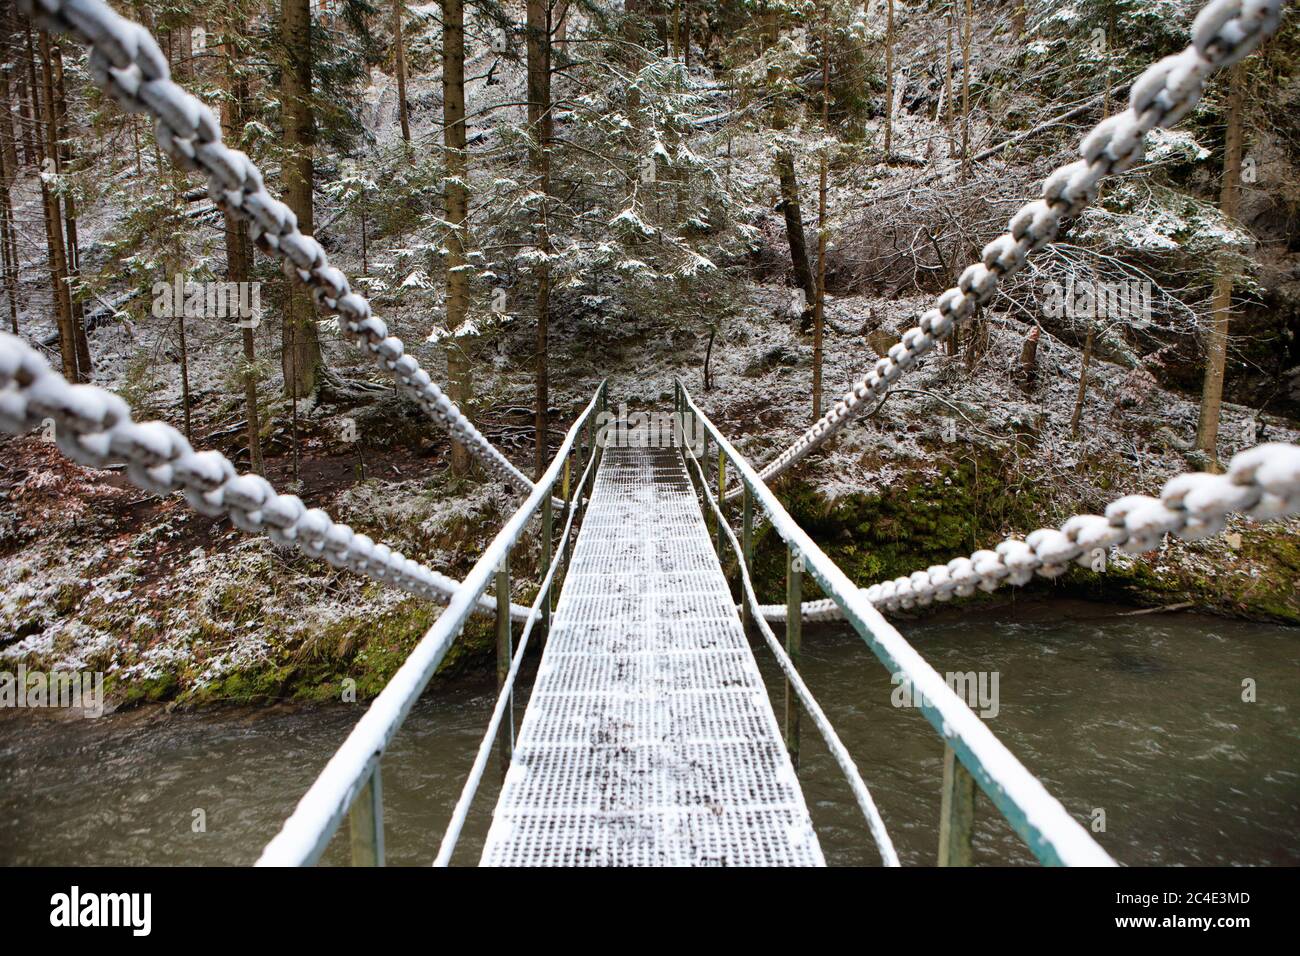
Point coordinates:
pixel 956 812
pixel 722 496
pixel 548 531
pixel 704 475
pixel 366 822
pixel 793 642
pixel 585 456
pixel 570 504
pixel 504 653
pixel 603 414
pixel 746 549
pixel 689 416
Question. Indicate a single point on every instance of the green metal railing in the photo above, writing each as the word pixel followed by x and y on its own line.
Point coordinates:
pixel 972 754
pixel 351 785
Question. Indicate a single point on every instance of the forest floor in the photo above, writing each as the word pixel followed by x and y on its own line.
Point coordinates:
pixel 96 574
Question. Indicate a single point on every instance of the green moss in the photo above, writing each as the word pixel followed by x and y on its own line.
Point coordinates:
pixel 365 650
pixel 153 690
pixel 66 599
pixel 977 503
pixel 874 537
pixel 1259 582
pixel 250 686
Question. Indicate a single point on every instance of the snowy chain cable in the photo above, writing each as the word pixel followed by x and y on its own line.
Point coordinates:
pixel 93 427
pixel 127 63
pixel 1262 482
pixel 852 775
pixel 470 789
pixel 1223 33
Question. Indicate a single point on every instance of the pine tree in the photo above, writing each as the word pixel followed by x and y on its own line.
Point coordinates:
pixel 966 23
pixel 9 162
pixel 8 173
pixel 64 163
pixel 889 79
pixel 790 207
pixel 47 151
pixel 819 311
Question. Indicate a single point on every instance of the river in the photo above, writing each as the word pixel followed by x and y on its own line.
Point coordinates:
pixel 1139 717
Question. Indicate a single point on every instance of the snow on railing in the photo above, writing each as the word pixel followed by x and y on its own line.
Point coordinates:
pixel 1053 836
pixel 350 781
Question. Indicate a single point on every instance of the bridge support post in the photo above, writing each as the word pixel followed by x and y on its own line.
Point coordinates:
pixel 957 812
pixel 722 501
pixel 548 533
pixel 793 642
pixel 366 823
pixel 746 550
pixel 569 505
pixel 504 653
pixel 603 406
pixel 709 520
pixel 585 456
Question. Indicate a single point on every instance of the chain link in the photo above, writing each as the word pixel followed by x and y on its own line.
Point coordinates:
pixel 128 64
pixel 1262 482
pixel 1223 33
pixel 93 427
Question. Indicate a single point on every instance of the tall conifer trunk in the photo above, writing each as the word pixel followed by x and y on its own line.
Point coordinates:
pixel 399 48
pixel 540 124
pixel 1216 346
pixel 456 198
pixel 301 355
pixel 47 148
pixel 239 254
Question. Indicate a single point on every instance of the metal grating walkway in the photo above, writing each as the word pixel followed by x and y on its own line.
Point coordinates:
pixel 649 739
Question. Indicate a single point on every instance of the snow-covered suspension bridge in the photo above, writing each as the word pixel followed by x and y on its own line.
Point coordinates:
pixel 648 738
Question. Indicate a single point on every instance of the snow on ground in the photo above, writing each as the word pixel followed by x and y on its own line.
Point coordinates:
pixel 94 573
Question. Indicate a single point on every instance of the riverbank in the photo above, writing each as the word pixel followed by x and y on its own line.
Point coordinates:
pixel 176 607
pixel 240 621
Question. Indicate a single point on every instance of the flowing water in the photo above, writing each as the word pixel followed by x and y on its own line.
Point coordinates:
pixel 1141 718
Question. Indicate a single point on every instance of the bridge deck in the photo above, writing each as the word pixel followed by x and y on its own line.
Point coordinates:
pixel 649 739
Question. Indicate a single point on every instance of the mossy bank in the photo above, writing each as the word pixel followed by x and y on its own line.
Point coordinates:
pixel 1252 571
